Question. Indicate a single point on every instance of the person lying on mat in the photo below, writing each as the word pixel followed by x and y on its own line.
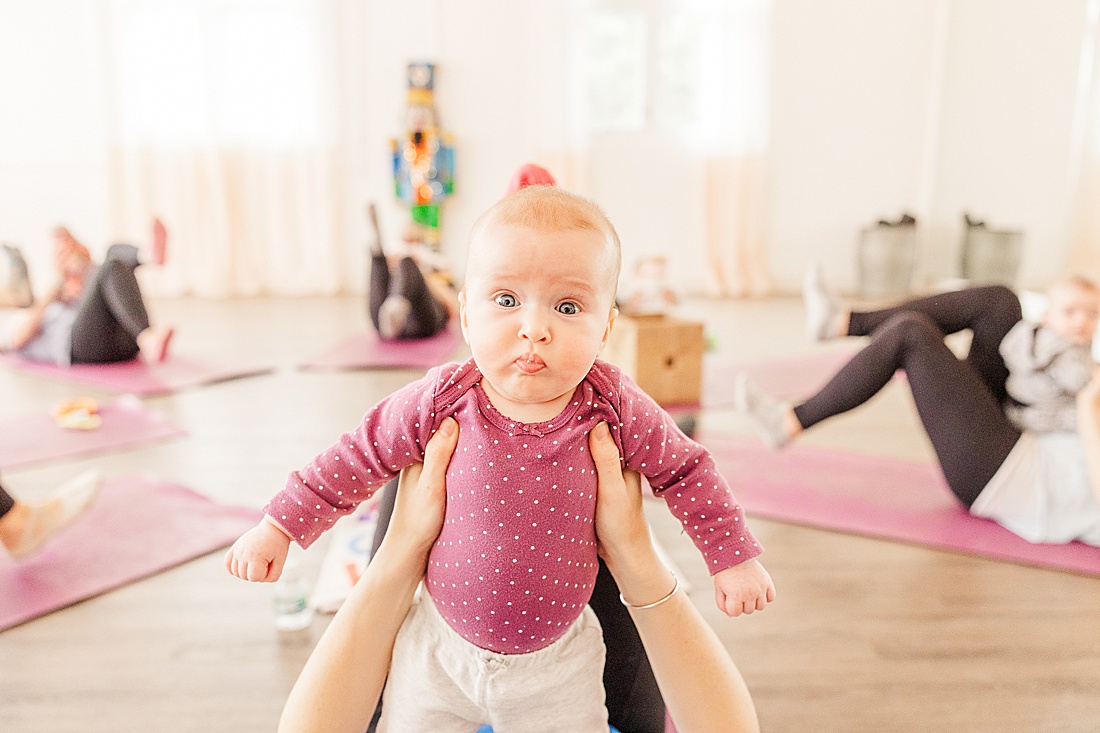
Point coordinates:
pixel 513 571
pixel 412 295
pixel 1036 484
pixel 94 314
pixel 341 682
pixel 26 526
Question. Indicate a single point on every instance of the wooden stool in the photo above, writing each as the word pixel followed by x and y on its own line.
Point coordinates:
pixel 663 354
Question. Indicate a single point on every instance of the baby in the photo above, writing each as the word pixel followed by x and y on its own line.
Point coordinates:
pixel 1050 362
pixel 508 635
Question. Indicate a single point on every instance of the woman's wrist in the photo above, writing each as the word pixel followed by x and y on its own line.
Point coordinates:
pixel 407 559
pixel 641 576
pixel 652 604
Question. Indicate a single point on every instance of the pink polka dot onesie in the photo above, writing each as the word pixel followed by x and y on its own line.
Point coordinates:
pixel 515 562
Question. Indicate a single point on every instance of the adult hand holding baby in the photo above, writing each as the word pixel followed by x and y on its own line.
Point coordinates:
pixel 626 547
pixel 703 689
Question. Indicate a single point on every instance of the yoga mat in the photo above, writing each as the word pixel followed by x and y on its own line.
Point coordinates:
pixel 793 377
pixel 138 526
pixel 138 377
pixel 886 498
pixel 365 350
pixel 37 438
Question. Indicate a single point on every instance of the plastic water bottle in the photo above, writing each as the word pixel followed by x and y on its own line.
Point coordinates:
pixel 291 602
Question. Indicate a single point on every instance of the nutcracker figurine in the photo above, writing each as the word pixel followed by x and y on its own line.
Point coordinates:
pixel 423 160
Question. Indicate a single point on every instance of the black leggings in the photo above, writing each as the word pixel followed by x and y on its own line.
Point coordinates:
pixel 959 401
pixel 112 312
pixel 634 702
pixel 7 501
pixel 427 316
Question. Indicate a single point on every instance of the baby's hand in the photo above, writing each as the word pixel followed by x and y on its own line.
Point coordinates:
pixel 259 554
pixel 743 588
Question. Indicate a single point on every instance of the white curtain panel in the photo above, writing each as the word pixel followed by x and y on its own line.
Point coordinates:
pixel 1085 252
pixel 226 125
pixel 257 128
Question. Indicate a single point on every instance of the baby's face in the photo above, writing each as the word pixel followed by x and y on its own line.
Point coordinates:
pixel 536 310
pixel 1073 312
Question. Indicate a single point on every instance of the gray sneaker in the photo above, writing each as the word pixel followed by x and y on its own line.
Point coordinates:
pixel 16 291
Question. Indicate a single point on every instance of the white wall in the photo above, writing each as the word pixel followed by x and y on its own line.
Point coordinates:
pixel 1005 140
pixel 929 106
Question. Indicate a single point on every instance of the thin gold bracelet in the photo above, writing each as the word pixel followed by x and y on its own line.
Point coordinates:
pixel 658 602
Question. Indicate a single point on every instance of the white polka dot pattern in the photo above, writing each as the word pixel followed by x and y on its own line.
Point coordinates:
pixel 516 559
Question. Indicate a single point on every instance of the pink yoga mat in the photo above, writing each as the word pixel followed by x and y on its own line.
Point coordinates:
pixel 37 438
pixel 365 350
pixel 886 498
pixel 138 377
pixel 138 526
pixel 793 377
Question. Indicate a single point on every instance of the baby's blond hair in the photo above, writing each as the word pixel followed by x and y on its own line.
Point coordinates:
pixel 546 209
pixel 1077 281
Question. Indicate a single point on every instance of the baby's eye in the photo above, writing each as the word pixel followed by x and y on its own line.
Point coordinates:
pixel 506 300
pixel 569 309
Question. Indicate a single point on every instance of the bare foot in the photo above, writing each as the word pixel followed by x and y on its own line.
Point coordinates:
pixel 376 243
pixel 160 243
pixel 31 525
pixel 153 344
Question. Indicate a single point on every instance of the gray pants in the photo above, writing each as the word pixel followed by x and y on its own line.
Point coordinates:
pixel 442 683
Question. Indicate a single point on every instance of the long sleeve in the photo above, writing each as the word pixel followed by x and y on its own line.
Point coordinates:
pixel 1071 369
pixel 1042 365
pixel 685 475
pixel 391 436
pixel 1045 373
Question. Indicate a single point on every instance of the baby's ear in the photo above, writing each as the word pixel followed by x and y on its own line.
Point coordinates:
pixel 611 316
pixel 462 314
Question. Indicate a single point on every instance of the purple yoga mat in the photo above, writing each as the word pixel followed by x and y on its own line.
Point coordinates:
pixel 37 438
pixel 365 350
pixel 138 526
pixel 138 377
pixel 886 498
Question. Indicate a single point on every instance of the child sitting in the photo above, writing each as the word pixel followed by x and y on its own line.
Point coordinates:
pixel 1050 362
pixel 508 637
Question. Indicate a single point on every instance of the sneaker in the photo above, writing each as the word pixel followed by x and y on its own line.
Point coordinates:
pixel 823 309
pixel 16 292
pixel 56 512
pixel 767 413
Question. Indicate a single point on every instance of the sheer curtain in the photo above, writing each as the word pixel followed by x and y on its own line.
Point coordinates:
pixel 1085 251
pixel 665 124
pixel 735 142
pixel 225 124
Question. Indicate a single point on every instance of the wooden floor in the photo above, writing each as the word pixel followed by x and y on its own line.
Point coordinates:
pixel 865 635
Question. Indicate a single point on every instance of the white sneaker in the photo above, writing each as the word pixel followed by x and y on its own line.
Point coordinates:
pixel 823 309
pixel 48 517
pixel 768 414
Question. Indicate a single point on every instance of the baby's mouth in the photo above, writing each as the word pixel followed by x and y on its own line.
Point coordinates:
pixel 530 363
